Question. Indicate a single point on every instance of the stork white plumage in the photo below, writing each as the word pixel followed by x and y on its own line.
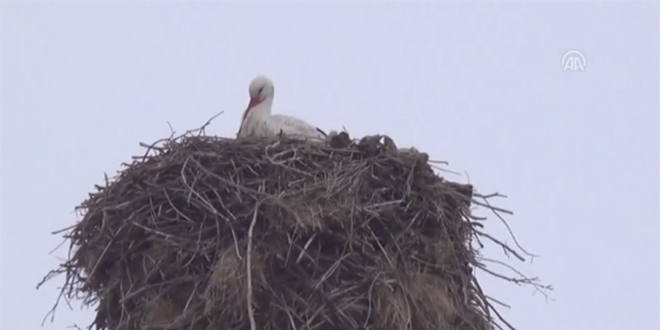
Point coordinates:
pixel 258 120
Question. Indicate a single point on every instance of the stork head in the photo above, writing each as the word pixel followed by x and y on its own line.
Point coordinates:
pixel 261 89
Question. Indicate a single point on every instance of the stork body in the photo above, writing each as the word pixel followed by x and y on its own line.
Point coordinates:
pixel 258 120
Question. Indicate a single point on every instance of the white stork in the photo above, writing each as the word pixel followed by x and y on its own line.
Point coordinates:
pixel 258 120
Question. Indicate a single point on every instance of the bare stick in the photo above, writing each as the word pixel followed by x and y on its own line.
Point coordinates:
pixel 253 325
pixel 499 216
pixel 500 243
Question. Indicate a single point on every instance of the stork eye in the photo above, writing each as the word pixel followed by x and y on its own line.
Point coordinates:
pixel 261 90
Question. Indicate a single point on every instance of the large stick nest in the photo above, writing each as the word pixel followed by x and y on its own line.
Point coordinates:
pixel 215 233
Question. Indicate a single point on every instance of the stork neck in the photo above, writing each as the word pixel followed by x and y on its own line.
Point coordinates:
pixel 262 109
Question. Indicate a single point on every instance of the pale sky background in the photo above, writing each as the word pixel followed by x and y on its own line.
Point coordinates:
pixel 477 84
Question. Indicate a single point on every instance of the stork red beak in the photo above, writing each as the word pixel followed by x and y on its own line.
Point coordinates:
pixel 252 104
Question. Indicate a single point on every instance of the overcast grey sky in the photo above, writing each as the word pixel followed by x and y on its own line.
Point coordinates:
pixel 478 84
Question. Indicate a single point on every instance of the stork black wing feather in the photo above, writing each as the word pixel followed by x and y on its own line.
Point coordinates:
pixel 321 131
